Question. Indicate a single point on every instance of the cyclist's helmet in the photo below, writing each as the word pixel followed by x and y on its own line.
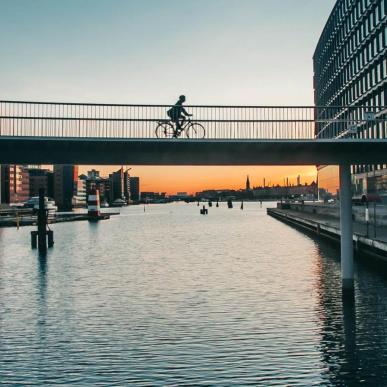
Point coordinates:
pixel 182 98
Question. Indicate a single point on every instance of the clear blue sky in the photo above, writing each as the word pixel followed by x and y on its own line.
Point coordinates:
pixel 150 51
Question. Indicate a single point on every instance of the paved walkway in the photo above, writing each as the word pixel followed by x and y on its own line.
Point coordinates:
pixel 358 228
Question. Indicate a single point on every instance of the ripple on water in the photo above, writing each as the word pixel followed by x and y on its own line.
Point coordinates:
pixel 169 297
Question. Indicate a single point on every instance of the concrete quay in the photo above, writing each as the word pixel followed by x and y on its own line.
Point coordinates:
pixel 325 225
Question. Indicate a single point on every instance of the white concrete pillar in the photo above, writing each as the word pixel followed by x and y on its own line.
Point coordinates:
pixel 346 226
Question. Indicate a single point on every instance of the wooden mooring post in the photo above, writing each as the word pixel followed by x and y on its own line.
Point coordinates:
pixel 40 237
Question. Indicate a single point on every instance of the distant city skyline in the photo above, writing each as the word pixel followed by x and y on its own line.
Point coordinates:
pixel 175 179
pixel 253 52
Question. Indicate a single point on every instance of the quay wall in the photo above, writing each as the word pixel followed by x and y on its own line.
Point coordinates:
pixel 333 210
pixel 331 231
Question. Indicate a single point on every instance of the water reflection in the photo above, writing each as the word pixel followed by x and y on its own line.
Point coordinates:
pixel 171 298
pixel 42 277
pixel 347 344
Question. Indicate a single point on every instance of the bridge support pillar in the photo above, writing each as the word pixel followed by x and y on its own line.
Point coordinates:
pixel 346 227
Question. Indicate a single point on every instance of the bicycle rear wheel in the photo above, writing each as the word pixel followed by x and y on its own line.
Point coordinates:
pixel 165 130
pixel 195 130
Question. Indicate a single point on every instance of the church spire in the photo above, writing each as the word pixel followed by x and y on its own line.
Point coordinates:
pixel 248 183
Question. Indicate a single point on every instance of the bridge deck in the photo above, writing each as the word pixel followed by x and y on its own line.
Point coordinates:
pixel 51 150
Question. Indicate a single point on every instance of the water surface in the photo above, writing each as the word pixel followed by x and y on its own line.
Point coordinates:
pixel 170 297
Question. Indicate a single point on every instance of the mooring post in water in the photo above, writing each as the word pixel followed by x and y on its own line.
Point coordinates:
pixel 346 228
pixel 42 222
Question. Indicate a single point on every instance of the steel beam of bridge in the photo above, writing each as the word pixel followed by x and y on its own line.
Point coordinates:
pixel 105 151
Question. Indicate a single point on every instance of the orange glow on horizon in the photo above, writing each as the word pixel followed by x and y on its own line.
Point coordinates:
pixel 173 179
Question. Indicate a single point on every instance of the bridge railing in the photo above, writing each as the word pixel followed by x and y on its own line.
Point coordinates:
pixel 51 119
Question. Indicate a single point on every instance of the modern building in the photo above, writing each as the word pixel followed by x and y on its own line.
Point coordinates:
pixel 3 185
pixel 14 184
pixel 153 197
pixel 41 178
pixel 80 196
pixel 93 174
pixel 117 185
pixel 127 186
pixel 135 188
pixel 65 180
pixel 350 71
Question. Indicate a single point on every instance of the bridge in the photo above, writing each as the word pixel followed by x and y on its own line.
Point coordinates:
pixel 47 133
pixel 74 133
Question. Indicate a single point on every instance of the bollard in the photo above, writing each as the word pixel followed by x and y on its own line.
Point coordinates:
pixel 39 237
pixel 229 203
pixel 217 203
pixel 242 205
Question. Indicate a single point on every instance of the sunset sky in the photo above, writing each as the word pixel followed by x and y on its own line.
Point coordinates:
pixel 243 52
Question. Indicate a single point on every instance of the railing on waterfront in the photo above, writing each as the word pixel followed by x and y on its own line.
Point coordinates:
pixel 51 119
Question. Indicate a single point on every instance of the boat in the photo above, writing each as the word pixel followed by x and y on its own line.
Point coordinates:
pixel 49 204
pixel 119 203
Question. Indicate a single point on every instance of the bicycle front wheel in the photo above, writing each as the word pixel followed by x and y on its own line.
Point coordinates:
pixel 195 131
pixel 165 130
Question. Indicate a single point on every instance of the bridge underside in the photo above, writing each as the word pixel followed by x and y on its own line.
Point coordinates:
pixel 44 150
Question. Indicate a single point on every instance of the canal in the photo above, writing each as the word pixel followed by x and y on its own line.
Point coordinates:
pixel 170 297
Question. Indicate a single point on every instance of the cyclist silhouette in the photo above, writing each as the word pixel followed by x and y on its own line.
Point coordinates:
pixel 178 114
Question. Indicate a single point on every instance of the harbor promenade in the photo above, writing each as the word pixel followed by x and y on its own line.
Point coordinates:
pixel 369 239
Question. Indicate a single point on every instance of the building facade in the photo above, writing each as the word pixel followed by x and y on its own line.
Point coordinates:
pixel 14 184
pixel 41 178
pixel 79 198
pixel 350 71
pixel 65 180
pixel 135 188
pixel 117 185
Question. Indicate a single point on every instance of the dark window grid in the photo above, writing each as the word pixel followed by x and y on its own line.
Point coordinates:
pixel 381 27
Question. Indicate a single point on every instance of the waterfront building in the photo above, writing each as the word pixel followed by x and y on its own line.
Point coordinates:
pixel 350 69
pixel 180 196
pixel 93 174
pixel 127 186
pixel 14 185
pixel 117 187
pixel 135 188
pixel 3 184
pixel 152 197
pixel 79 198
pixel 308 191
pixel 65 179
pixel 41 178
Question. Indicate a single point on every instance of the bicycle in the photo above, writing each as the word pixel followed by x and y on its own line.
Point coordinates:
pixel 167 129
